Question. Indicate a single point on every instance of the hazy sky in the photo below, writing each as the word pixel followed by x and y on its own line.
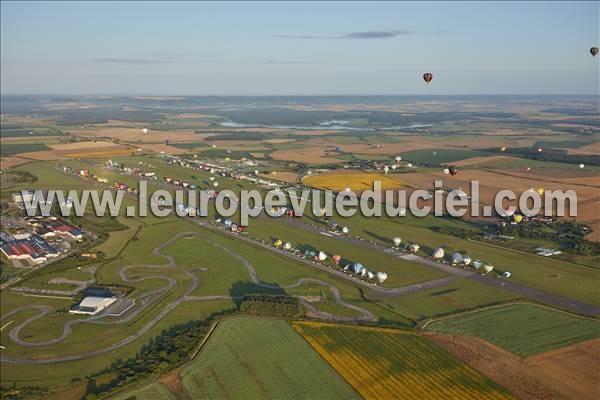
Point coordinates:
pixel 299 48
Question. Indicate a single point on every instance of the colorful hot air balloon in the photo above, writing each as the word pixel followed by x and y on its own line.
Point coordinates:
pixel 336 259
pixel 453 170
pixel 594 51
pixel 517 218
pixel 540 191
pixel 427 77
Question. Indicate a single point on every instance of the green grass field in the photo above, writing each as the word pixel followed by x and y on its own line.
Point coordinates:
pixel 462 294
pixel 524 329
pixel 9 148
pixel 253 358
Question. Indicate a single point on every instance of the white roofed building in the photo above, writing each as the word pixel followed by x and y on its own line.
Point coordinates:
pixel 92 305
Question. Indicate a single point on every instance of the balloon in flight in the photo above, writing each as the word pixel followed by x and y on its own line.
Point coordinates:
pixel 594 51
pixel 427 77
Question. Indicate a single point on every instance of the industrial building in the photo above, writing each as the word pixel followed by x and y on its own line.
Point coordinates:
pixel 92 305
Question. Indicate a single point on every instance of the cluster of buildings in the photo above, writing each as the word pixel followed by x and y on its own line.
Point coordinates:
pixel 37 240
pixel 27 247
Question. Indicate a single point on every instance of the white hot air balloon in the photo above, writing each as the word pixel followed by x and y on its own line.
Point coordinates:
pixel 363 272
pixel 397 241
pixel 467 260
pixel 214 146
pixel 256 172
pixel 345 230
pixel 457 258
pixel 488 268
pixel 358 268
pixel 381 277
pixel 347 189
pixel 409 165
pixel 215 184
pixel 322 256
pixel 581 166
pixel 506 274
pixel 370 275
pixel 398 159
pixel 212 178
pixel 394 167
pixel 438 253
pixel 414 247
pixel 402 211
pixel 386 169
pixel 477 264
pixel 287 245
pixel 145 130
pixel 446 171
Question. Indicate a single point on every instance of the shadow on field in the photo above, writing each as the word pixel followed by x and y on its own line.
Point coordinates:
pixel 243 288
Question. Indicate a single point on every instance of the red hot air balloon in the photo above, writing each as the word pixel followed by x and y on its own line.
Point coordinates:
pixel 453 170
pixel 594 51
pixel 427 77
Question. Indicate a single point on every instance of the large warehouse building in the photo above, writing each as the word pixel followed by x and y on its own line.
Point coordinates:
pixel 92 305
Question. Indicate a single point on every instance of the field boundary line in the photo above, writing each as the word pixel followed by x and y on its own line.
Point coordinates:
pixel 505 304
pixel 206 337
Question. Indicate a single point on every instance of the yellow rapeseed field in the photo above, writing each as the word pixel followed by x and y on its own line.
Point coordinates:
pixel 357 181
pixel 385 363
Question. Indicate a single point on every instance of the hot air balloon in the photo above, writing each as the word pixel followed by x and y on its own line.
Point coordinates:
pixel 386 169
pixel 581 166
pixel 326 152
pixel 215 184
pixel 414 247
pixel 402 211
pixel 345 230
pixel 503 149
pixel 457 258
pixel 528 169
pixel 357 268
pixel 517 218
pixel 277 243
pixel 214 146
pixel 506 274
pixel 398 159
pixel 453 170
pixel 336 259
pixel 427 77
pixel 322 256
pixel 397 241
pixel 347 189
pixel 394 167
pixel 446 171
pixel 370 275
pixel 594 51
pixel 287 245
pixel 211 178
pixel 346 268
pixel 539 149
pixel 145 130
pixel 477 264
pixel 381 277
pixel 467 260
pixel 438 253
pixel 227 222
pixel 488 268
pixel 363 272
pixel 540 191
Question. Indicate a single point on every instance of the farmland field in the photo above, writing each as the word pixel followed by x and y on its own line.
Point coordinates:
pixel 154 391
pixel 439 156
pixel 524 329
pixel 16 148
pixel 259 358
pixel 357 181
pixel 385 363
